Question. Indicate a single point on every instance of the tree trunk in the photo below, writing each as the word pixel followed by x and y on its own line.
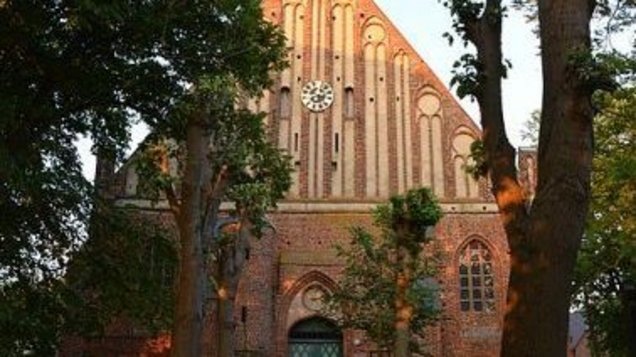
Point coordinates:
pixel 543 244
pixel 231 266
pixel 188 321
pixel 403 314
pixel 628 302
pixel 225 323
pixel 536 321
pixel 403 309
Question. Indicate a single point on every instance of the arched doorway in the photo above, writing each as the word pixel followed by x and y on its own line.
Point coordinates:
pixel 315 337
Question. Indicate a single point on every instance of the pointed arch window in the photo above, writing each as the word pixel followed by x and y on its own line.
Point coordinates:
pixel 315 336
pixel 349 103
pixel 476 278
pixel 285 103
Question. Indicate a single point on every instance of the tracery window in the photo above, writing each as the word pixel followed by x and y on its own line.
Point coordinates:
pixel 476 278
pixel 315 336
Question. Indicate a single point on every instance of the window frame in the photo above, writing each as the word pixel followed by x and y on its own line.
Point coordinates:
pixel 476 277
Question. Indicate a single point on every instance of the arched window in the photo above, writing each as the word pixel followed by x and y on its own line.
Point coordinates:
pixel 315 336
pixel 476 280
pixel 349 107
pixel 285 103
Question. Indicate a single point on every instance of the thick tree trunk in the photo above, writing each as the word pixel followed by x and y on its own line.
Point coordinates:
pixel 188 321
pixel 231 266
pixel 544 243
pixel 225 323
pixel 628 301
pixel 536 321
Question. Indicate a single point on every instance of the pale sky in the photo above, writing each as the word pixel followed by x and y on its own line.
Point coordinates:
pixel 423 22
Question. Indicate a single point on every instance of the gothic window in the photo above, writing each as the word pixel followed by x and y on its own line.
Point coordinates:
pixel 476 280
pixel 315 336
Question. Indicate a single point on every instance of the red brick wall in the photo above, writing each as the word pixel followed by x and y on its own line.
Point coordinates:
pixel 305 258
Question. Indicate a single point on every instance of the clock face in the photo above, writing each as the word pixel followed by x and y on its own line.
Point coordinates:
pixel 313 298
pixel 317 96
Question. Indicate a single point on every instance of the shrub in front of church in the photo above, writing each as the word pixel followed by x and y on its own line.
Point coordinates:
pixel 387 288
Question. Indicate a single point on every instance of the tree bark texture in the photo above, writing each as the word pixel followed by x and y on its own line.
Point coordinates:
pixel 403 310
pixel 188 321
pixel 233 258
pixel 543 242
pixel 536 321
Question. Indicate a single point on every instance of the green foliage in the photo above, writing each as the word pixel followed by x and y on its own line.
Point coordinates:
pixel 466 72
pixel 530 130
pixel 409 217
pixel 72 68
pixel 607 260
pixel 365 298
pixel 31 317
pixel 596 71
pixel 90 68
pixel 125 270
pixel 463 12
pixel 467 16
pixel 257 172
pixel 477 166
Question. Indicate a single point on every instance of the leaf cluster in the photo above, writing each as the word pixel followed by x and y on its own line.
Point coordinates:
pixel 70 68
pixel 469 17
pixel 31 316
pixel 477 166
pixel 598 71
pixel 126 270
pixel 256 171
pixel 365 297
pixel 409 217
pixel 607 261
pixel 90 68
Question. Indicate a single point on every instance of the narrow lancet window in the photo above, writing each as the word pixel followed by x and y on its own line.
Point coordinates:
pixel 349 103
pixel 285 103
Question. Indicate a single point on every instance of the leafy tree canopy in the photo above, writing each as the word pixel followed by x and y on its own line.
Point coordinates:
pixel 70 68
pixel 366 295
pixel 606 265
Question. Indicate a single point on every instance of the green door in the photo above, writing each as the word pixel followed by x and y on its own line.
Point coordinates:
pixel 315 337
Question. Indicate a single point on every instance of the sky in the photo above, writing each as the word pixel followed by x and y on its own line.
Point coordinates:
pixel 423 22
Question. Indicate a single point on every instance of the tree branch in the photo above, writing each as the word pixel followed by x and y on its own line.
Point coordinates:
pixel 216 190
pixel 173 201
pixel 164 168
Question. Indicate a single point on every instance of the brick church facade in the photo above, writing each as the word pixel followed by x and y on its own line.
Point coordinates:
pixel 363 117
